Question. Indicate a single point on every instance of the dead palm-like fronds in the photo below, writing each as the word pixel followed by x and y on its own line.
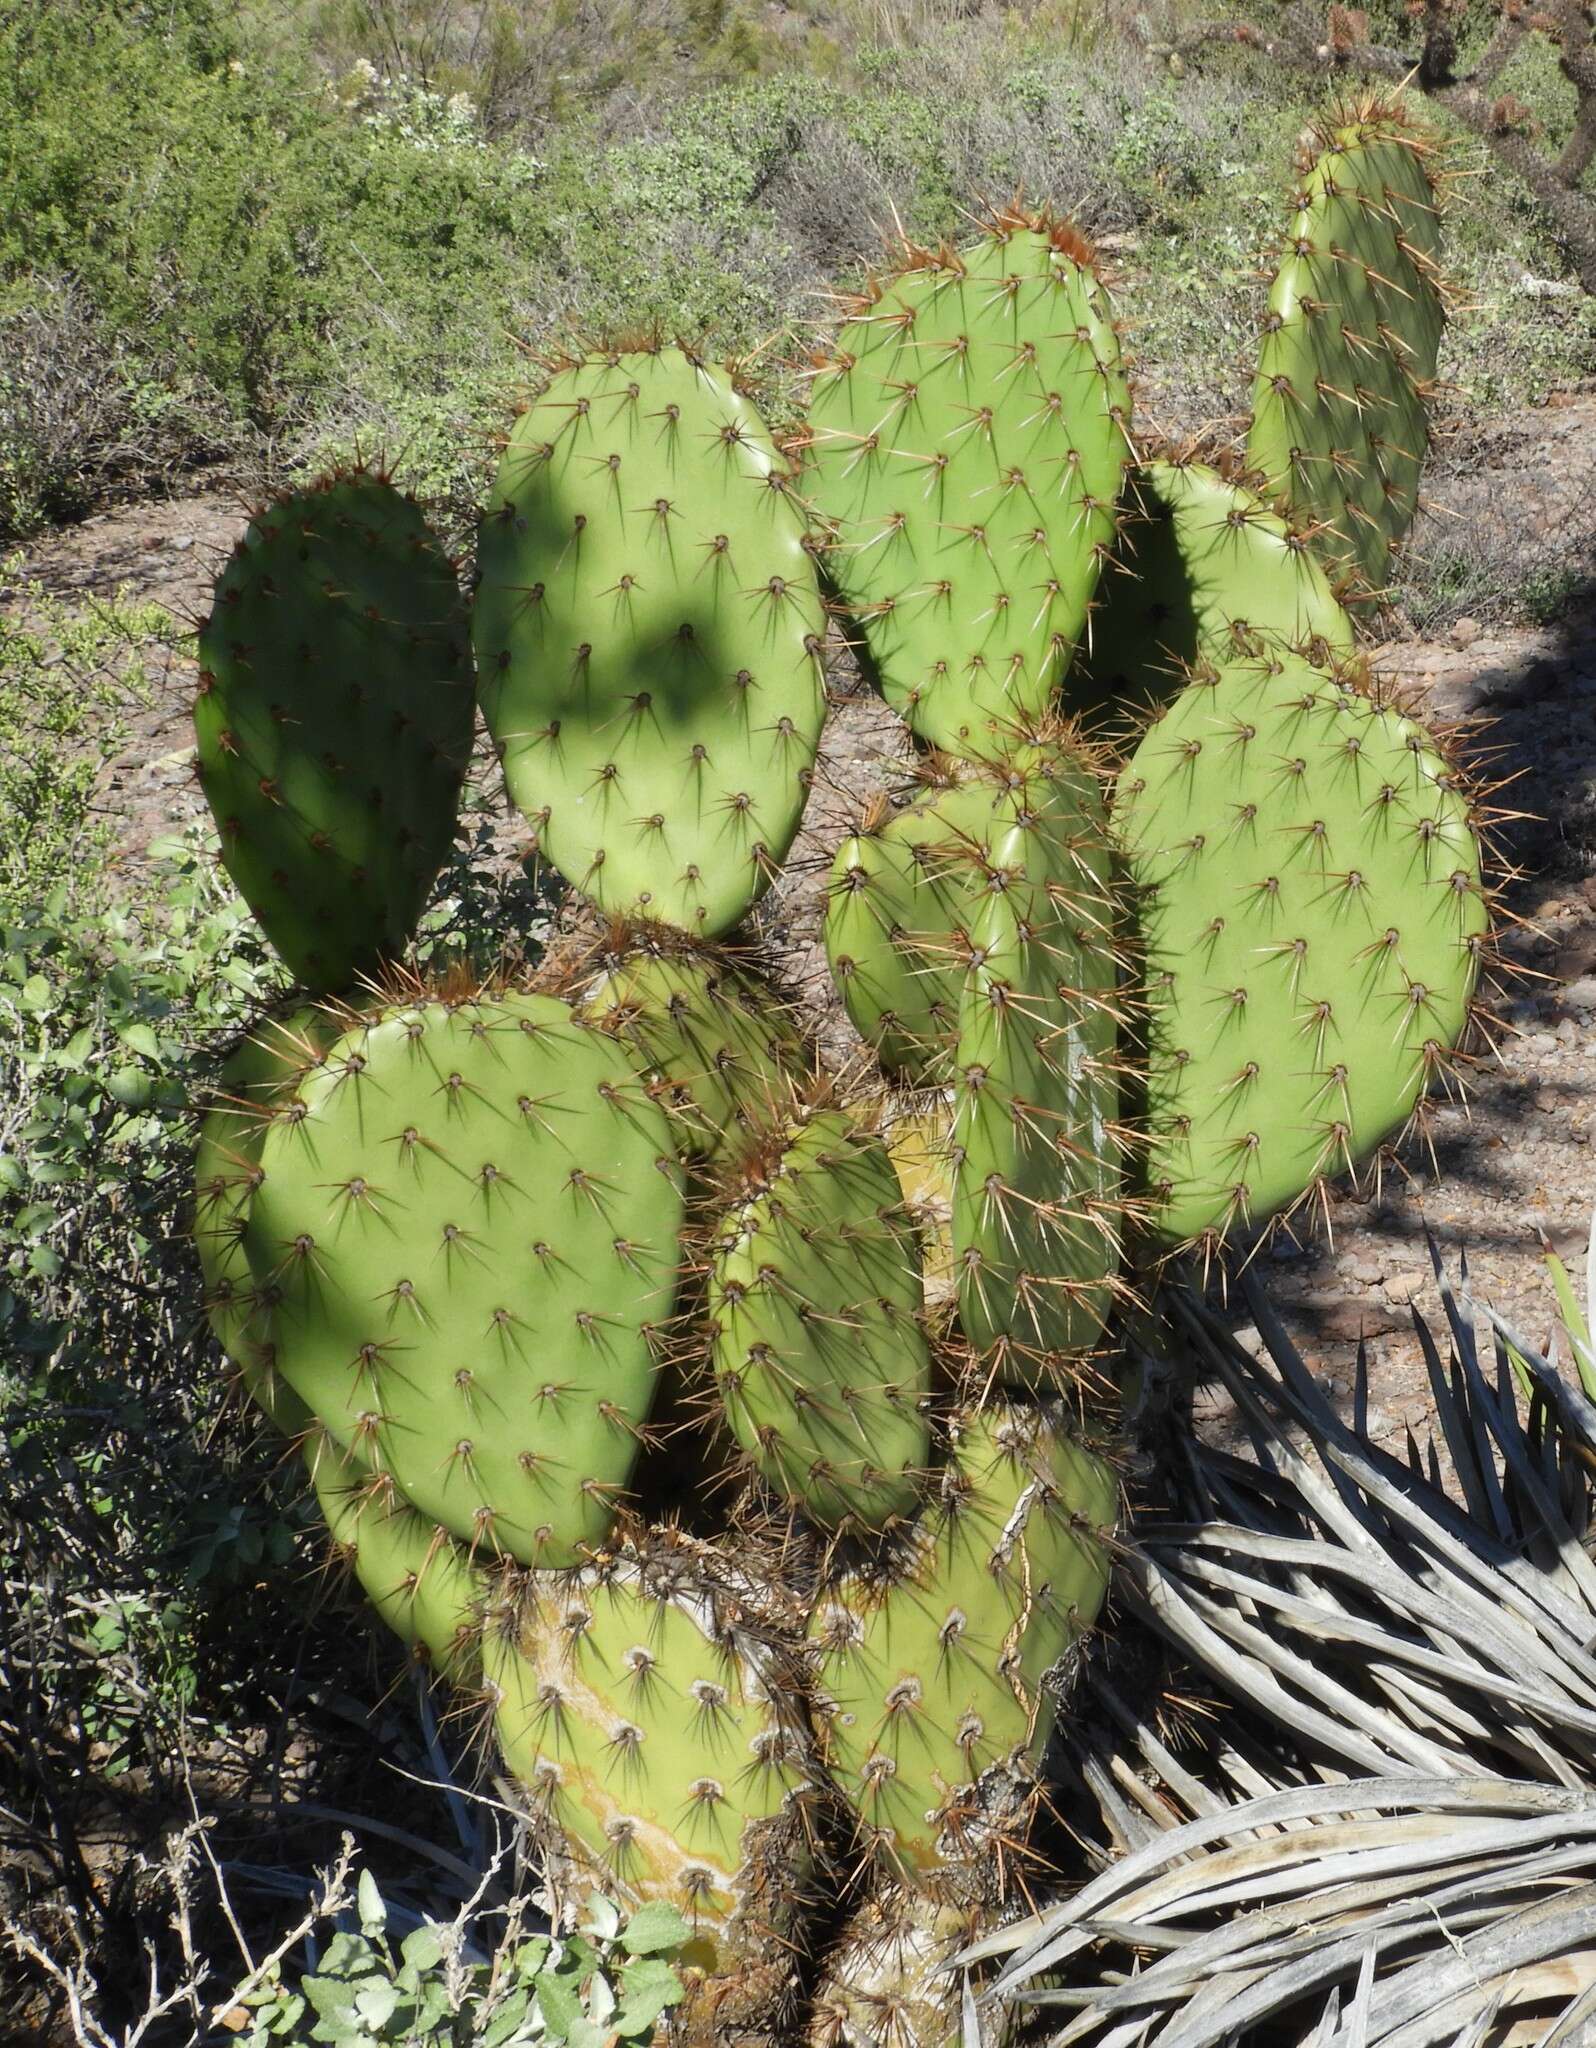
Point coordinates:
pixel 1392 1840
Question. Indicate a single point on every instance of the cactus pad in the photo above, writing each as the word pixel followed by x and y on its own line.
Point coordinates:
pixel 720 1058
pixel 421 1582
pixel 465 1227
pixel 1311 917
pixel 1036 1209
pixel 969 433
pixel 1210 570
pixel 334 722
pixel 931 1674
pixel 649 630
pixel 1339 431
pixel 818 1351
pixel 652 1731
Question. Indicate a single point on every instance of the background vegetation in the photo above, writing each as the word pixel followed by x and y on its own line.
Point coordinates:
pixel 246 239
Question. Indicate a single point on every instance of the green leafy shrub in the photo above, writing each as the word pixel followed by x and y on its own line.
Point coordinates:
pixel 607 1983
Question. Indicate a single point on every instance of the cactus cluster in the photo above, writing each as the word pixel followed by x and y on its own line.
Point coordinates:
pixel 734 1414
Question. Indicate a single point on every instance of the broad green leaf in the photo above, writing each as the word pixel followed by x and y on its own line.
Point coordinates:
pixel 560 2002
pixel 653 1928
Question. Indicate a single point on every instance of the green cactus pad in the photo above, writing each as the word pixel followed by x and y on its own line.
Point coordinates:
pixel 648 627
pixel 720 1057
pixel 422 1583
pixel 334 722
pixel 652 1733
pixel 1208 571
pixel 466 1228
pixel 815 1303
pixel 262 1071
pixel 1311 919
pixel 1037 1173
pixel 969 433
pixel 931 1674
pixel 1339 431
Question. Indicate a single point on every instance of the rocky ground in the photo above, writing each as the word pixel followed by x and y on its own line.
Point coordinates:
pixel 1513 1167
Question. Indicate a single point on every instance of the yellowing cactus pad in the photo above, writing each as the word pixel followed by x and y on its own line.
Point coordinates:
pixel 652 1737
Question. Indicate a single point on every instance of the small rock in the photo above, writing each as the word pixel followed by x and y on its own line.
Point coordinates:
pixel 1405 1287
pixel 1366 1270
pixel 181 541
pixel 1540 1042
pixel 1464 633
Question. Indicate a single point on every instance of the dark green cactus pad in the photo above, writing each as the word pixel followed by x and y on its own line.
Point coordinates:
pixel 263 1071
pixel 721 1057
pixel 1037 1169
pixel 656 1737
pixel 1339 430
pixel 818 1350
pixel 1311 916
pixel 931 1673
pixel 1207 572
pixel 969 433
pixel 649 630
pixel 465 1231
pixel 422 1583
pixel 334 721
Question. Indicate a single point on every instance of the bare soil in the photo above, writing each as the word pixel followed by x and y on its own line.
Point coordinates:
pixel 1514 1163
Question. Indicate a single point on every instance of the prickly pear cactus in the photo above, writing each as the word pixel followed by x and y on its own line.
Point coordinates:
pixel 465 1226
pixel 1339 428
pixel 1037 1199
pixel 663 1740
pixel 649 634
pixel 969 431
pixel 819 1348
pixel 1312 916
pixel 932 1662
pixel 334 722
pixel 714 1368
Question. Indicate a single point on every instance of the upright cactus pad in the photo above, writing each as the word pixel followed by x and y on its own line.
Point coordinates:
pixel 422 1583
pixel 1208 572
pixel 658 1736
pixel 465 1227
pixel 721 1059
pixel 334 722
pixel 931 1672
pixel 1349 350
pixel 969 432
pixel 818 1350
pixel 649 632
pixel 1037 1172
pixel 1312 916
